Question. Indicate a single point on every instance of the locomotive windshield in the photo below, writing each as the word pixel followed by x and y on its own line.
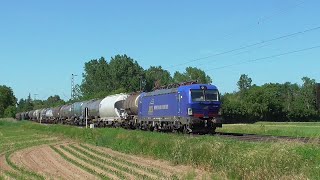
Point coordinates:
pixel 204 95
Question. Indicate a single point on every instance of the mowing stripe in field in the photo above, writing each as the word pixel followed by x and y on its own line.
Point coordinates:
pixel 3 177
pixel 110 162
pixel 108 169
pixel 14 175
pixel 123 160
pixel 21 170
pixel 62 153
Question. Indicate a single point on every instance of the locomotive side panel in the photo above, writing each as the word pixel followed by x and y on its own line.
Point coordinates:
pixel 163 106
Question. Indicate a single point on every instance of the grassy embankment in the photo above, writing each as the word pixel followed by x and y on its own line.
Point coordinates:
pixel 294 129
pixel 226 158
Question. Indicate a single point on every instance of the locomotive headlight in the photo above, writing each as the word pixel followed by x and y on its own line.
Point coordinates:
pixel 190 111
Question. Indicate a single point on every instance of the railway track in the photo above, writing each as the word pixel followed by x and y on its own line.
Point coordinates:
pixel 266 138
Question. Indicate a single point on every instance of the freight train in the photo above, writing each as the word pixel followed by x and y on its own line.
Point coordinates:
pixel 191 108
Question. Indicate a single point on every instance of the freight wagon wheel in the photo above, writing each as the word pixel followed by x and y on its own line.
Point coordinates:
pixel 151 128
pixel 186 129
pixel 156 128
pixel 212 131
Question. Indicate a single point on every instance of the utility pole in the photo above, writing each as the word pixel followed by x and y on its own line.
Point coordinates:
pixel 72 86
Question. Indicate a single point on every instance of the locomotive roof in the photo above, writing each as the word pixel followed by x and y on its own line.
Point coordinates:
pixel 181 88
pixel 197 86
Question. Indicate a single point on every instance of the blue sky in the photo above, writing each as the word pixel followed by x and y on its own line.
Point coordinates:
pixel 43 42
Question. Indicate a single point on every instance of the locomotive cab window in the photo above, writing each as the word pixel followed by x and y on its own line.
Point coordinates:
pixel 198 95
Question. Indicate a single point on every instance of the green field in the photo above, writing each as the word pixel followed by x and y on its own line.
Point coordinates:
pixel 294 129
pixel 225 158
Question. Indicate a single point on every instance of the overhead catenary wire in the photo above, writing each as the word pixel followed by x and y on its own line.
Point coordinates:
pixel 205 63
pixel 279 12
pixel 248 46
pixel 264 58
pixel 268 17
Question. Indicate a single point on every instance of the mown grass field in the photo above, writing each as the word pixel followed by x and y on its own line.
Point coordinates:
pixel 224 158
pixel 294 129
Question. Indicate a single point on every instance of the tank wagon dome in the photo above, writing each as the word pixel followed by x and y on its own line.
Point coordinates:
pixel 112 106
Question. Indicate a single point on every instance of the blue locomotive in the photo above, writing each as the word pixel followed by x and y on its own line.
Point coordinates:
pixel 190 108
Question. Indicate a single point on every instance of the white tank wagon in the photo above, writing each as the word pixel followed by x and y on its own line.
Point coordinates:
pixel 37 115
pixel 111 109
pixel 34 115
pixel 30 114
pixel 43 115
pixel 49 115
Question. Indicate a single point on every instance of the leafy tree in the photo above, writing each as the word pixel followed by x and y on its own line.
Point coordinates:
pixel 53 101
pixel 7 99
pixel 125 73
pixel 233 109
pixel 308 91
pixel 244 82
pixel 155 75
pixel 21 105
pixel 25 104
pixel 39 104
pixel 96 77
pixel 192 74
pixel 28 105
pixel 10 111
pixel 101 78
pixel 77 92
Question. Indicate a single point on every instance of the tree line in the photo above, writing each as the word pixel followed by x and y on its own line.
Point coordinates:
pixel 271 102
pixel 122 74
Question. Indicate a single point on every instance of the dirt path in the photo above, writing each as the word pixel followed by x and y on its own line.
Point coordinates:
pixel 83 161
